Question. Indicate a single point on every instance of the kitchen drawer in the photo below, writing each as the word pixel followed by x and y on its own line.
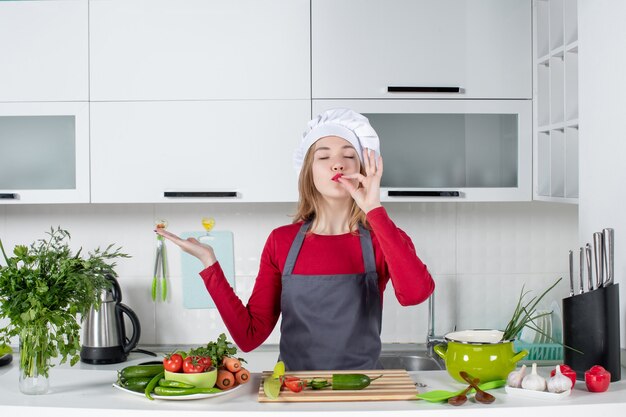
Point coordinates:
pixel 45 153
pixel 360 48
pixel 44 51
pixel 231 151
pixel 450 150
pixel 199 49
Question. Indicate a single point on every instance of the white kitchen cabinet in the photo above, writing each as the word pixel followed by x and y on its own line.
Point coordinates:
pixel 199 49
pixel 44 51
pixel 45 152
pixel 196 151
pixel 555 128
pixel 450 150
pixel 362 48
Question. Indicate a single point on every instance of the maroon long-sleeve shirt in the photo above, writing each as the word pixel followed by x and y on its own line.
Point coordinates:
pixel 249 325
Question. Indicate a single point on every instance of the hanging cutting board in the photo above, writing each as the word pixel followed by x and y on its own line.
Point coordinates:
pixel 394 385
pixel 195 294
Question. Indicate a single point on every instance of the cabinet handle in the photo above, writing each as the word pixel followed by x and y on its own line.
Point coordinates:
pixel 403 193
pixel 407 89
pixel 9 196
pixel 199 194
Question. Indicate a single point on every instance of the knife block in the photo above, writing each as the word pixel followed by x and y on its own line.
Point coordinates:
pixel 591 325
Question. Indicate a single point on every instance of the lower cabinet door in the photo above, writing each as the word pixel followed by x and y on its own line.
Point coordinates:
pixel 195 151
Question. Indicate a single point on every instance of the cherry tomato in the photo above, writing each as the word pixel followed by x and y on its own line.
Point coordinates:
pixel 192 365
pixel 173 362
pixel 597 379
pixel 568 372
pixel 294 384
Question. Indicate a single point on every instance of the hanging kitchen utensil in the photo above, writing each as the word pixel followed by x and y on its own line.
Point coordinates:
pixel 609 248
pixel 160 264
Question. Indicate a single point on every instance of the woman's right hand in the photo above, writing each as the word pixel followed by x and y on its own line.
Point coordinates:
pixel 192 246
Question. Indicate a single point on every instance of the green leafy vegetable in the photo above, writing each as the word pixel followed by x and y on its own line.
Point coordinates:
pixel 216 350
pixel 43 289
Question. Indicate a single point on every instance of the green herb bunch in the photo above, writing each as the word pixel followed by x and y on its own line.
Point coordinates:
pixel 525 315
pixel 43 289
pixel 216 350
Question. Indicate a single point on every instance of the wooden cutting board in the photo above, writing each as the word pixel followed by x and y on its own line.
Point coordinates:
pixel 394 385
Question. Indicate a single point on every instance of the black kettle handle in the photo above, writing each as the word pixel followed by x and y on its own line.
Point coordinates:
pixel 132 343
pixel 116 291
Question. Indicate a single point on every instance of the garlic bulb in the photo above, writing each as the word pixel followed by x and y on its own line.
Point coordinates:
pixel 534 381
pixel 514 379
pixel 559 382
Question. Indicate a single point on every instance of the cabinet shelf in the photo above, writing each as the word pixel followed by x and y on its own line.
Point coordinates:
pixel 556 101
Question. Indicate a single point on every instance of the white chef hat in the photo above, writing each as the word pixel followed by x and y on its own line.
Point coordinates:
pixel 345 123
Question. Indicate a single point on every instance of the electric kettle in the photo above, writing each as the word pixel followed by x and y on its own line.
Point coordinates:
pixel 104 337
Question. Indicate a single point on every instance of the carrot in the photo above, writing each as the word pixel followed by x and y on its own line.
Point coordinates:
pixel 225 379
pixel 242 376
pixel 232 364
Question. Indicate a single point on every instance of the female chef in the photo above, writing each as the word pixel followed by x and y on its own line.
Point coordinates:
pixel 327 271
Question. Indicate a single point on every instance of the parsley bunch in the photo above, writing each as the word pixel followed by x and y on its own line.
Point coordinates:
pixel 43 290
pixel 216 350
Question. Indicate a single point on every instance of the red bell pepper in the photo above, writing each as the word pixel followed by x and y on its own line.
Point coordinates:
pixel 597 379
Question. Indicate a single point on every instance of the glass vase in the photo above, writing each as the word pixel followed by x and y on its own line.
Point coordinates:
pixel 34 361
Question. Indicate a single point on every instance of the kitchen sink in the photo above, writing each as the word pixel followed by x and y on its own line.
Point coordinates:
pixel 409 362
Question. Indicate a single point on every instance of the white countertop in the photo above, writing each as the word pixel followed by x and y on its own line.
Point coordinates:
pixel 87 388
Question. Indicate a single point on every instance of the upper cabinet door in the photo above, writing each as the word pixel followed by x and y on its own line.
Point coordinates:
pixel 196 151
pixel 199 49
pixel 360 48
pixel 44 51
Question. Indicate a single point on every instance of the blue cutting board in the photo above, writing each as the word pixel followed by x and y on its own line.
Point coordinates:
pixel 195 294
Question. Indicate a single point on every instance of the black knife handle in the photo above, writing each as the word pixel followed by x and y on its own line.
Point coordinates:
pixel 418 89
pixel 406 193
pixel 8 196
pixel 200 194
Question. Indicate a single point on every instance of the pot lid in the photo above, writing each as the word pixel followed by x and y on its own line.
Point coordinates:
pixel 476 336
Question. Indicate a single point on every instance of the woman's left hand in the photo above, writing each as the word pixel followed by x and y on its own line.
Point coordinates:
pixel 367 196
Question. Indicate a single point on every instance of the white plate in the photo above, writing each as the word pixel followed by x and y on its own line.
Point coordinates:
pixel 540 395
pixel 179 397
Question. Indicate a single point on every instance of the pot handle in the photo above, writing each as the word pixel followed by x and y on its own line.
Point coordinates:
pixel 441 350
pixel 519 356
pixel 132 343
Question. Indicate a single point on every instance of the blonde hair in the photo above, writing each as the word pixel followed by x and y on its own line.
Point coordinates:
pixel 308 203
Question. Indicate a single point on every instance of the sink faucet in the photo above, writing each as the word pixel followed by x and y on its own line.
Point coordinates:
pixel 431 339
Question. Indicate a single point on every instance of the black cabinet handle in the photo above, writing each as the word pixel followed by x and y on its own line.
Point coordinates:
pixel 408 89
pixel 403 193
pixel 8 196
pixel 200 194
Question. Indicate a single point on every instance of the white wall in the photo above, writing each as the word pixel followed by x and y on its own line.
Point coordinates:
pixel 602 97
pixel 480 254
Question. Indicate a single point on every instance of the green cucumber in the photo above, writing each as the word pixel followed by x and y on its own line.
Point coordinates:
pixel 140 371
pixel 351 381
pixel 135 384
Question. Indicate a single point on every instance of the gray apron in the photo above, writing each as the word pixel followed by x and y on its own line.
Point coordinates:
pixel 330 321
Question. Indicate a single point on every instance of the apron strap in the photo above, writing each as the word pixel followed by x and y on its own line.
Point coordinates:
pixel 295 248
pixel 369 260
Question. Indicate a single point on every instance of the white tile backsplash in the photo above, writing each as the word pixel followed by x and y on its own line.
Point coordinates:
pixel 480 254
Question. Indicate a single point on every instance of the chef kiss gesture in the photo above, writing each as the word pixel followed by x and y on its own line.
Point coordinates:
pixel 327 271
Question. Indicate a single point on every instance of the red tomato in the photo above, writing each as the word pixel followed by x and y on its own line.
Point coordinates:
pixel 192 365
pixel 294 384
pixel 206 361
pixel 173 362
pixel 597 379
pixel 568 372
